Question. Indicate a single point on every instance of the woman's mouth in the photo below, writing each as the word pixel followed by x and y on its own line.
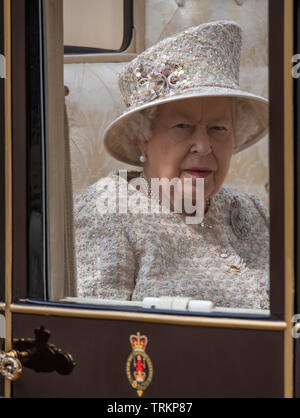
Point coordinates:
pixel 197 172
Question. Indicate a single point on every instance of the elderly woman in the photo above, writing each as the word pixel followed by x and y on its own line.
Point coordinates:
pixel 185 117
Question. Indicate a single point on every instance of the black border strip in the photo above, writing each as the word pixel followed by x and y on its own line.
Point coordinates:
pixel 276 158
pixel 2 180
pixel 2 164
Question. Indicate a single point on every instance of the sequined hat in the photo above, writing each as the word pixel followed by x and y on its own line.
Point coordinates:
pixel 202 61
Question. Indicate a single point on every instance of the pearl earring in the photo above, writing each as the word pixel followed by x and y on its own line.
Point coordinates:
pixel 143 159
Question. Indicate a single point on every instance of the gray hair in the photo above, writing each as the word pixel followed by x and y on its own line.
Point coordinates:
pixel 139 125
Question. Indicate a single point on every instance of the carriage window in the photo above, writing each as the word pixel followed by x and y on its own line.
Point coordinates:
pixel 106 148
pixel 96 26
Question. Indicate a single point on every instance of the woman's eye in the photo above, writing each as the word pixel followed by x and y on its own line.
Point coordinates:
pixel 182 126
pixel 219 128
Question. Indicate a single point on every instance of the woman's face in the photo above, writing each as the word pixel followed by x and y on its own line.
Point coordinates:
pixel 190 135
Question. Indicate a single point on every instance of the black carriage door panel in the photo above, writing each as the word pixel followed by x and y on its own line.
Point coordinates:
pixel 187 361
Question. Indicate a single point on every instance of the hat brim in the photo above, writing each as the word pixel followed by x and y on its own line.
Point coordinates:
pixel 128 152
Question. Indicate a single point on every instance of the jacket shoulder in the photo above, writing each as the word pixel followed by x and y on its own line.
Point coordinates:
pixel 249 201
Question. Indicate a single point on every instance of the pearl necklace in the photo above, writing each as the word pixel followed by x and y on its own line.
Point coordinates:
pixel 153 195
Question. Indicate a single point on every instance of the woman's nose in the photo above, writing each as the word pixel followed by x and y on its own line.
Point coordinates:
pixel 201 141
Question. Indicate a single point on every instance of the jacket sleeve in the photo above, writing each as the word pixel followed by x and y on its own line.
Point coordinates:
pixel 104 257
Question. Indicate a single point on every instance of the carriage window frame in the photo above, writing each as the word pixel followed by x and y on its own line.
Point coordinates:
pixel 277 266
pixel 296 92
pixel 127 36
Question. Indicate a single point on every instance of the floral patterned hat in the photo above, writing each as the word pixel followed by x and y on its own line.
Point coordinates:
pixel 202 61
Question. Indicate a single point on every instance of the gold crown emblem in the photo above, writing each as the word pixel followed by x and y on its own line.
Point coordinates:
pixel 138 342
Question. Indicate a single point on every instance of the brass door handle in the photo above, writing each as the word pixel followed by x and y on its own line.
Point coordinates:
pixel 10 365
pixel 35 354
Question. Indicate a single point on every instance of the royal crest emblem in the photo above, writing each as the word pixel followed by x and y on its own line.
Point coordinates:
pixel 139 367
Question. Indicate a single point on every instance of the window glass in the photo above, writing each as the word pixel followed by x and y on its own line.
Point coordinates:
pixel 94 23
pixel 125 257
pixel 110 247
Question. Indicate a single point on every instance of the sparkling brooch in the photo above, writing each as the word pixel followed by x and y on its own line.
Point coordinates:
pixel 240 220
pixel 159 78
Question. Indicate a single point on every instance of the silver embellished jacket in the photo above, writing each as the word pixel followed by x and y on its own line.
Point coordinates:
pixel 130 256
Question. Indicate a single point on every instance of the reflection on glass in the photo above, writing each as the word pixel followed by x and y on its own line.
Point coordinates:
pixel 93 23
pixel 189 120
